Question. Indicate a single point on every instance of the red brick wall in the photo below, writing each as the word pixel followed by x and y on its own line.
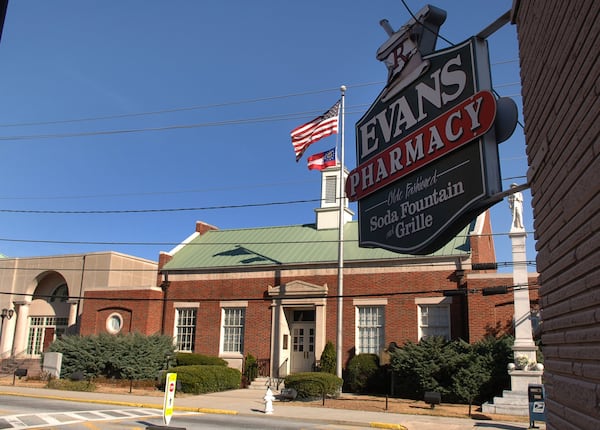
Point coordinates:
pixel 493 314
pixel 142 315
pixel 400 312
pixel 258 313
pixel 400 289
pixel 482 247
pixel 559 50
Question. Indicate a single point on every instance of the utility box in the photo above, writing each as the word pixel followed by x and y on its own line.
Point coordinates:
pixel 537 403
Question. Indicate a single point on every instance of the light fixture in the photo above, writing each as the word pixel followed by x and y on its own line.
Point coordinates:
pixel 7 313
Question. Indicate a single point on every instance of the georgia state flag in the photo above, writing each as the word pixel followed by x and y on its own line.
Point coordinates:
pixel 322 160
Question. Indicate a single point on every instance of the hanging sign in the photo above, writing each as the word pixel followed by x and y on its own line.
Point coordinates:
pixel 426 149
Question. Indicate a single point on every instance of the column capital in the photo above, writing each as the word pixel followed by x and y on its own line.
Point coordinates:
pixel 21 302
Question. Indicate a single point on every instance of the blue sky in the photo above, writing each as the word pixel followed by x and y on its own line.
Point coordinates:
pixel 149 105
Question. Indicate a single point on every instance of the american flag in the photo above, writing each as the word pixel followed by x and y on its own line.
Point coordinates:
pixel 318 128
pixel 322 160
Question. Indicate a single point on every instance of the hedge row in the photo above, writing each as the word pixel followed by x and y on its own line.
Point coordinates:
pixel 193 359
pixel 128 356
pixel 461 372
pixel 205 379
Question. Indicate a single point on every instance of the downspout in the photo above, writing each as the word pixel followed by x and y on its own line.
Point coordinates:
pixel 164 286
pixel 79 299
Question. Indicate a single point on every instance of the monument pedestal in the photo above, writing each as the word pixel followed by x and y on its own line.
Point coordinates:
pixel 514 401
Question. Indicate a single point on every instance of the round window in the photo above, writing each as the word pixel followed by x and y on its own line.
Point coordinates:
pixel 114 323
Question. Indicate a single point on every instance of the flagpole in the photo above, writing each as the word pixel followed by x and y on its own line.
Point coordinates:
pixel 340 291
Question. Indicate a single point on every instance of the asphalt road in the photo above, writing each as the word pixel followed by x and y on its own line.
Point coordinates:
pixel 34 413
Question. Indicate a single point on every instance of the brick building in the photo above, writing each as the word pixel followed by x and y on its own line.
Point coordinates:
pixel 272 292
pixel 42 297
pixel 559 45
pixel 269 291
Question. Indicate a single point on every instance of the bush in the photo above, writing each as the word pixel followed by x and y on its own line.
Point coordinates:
pixel 129 356
pixel 328 358
pixel 460 372
pixel 205 379
pixel 496 353
pixel 192 359
pixel 364 375
pixel 250 368
pixel 310 385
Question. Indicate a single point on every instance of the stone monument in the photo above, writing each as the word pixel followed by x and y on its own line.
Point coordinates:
pixel 525 370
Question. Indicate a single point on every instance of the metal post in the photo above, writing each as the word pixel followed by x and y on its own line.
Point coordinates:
pixel 340 301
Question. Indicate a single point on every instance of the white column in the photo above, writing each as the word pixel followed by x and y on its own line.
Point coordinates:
pixel 524 344
pixel 72 313
pixel 20 342
pixel 6 336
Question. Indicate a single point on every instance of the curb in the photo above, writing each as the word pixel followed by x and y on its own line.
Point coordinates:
pixel 119 403
pixel 387 426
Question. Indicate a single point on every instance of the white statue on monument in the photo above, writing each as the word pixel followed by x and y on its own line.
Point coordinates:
pixel 515 202
pixel 525 370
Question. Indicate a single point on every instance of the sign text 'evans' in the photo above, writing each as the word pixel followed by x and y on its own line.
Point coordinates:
pixel 461 124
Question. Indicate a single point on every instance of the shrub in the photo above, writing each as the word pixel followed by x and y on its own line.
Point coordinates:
pixel 460 372
pixel 328 358
pixel 469 377
pixel 310 385
pixel 129 356
pixel 205 379
pixel 192 359
pixel 426 366
pixel 496 353
pixel 250 368
pixel 363 374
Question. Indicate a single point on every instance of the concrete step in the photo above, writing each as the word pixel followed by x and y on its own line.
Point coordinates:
pixel 511 403
pixel 512 398
pixel 264 382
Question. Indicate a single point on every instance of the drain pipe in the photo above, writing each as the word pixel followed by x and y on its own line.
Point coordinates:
pixel 165 289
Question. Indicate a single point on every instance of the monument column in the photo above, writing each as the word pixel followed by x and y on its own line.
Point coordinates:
pixel 525 370
pixel 524 344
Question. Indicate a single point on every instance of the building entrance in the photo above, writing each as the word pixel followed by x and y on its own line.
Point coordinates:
pixel 303 340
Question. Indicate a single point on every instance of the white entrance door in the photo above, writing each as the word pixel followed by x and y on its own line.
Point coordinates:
pixel 303 347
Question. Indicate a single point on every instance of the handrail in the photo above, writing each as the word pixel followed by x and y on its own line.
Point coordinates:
pixel 280 367
pixel 279 372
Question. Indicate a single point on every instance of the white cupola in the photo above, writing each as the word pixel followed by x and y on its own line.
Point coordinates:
pixel 328 213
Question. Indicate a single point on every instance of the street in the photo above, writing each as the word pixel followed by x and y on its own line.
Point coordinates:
pixel 35 413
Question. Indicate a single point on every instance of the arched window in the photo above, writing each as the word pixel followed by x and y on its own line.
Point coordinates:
pixel 60 294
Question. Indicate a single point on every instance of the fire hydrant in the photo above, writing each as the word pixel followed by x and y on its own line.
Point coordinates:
pixel 269 397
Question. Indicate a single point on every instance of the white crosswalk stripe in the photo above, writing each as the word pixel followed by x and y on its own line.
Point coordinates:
pixel 40 420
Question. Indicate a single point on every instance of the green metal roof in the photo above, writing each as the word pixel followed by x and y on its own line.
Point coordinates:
pixel 289 245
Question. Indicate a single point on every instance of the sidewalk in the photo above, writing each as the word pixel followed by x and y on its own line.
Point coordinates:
pixel 251 403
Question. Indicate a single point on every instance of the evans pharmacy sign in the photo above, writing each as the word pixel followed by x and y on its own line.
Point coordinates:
pixel 426 149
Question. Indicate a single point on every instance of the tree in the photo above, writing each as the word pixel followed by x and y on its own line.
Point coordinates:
pixel 329 358
pixel 469 377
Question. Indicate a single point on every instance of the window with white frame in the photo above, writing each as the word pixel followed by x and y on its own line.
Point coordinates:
pixel 233 329
pixel 370 329
pixel 185 329
pixel 434 320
